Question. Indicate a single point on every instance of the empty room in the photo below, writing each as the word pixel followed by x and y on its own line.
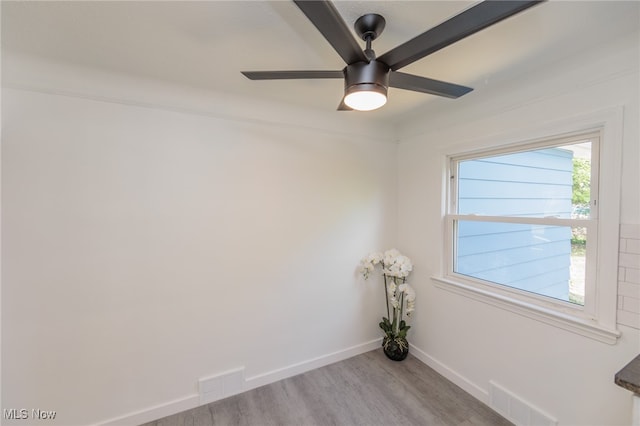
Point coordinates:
pixel 320 213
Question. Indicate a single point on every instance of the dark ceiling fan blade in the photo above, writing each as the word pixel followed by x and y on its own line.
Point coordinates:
pixel 460 26
pixel 344 107
pixel 401 80
pixel 327 20
pixel 291 75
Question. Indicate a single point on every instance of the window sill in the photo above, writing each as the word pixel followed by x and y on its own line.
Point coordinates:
pixel 549 316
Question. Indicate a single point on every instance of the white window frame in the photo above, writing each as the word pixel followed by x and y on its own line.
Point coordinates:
pixel 597 318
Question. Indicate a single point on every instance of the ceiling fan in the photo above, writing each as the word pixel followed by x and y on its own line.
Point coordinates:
pixel 367 76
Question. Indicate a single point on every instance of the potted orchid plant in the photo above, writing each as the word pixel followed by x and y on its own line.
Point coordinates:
pixel 400 298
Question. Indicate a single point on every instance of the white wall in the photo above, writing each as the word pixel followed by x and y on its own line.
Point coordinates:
pixel 145 248
pixel 568 376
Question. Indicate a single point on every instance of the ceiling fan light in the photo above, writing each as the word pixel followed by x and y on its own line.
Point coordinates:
pixel 365 97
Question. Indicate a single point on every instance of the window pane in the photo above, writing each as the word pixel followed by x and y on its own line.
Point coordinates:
pixel 534 258
pixel 578 265
pixel 538 183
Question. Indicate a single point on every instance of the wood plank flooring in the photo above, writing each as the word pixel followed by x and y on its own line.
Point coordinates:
pixel 368 389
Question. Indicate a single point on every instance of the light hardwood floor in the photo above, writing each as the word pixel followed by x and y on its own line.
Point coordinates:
pixel 368 389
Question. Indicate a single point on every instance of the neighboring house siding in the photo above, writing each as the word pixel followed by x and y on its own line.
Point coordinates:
pixel 532 184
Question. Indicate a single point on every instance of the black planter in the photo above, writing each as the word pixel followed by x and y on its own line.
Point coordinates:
pixel 396 349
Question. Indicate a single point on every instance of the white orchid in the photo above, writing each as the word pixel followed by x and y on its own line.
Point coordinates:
pixel 411 306
pixel 368 264
pixel 394 302
pixel 410 293
pixel 390 256
pixel 391 287
pixel 400 296
pixel 396 264
pixel 366 269
pixel 375 258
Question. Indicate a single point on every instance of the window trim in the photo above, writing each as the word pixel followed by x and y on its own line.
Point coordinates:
pixel 596 320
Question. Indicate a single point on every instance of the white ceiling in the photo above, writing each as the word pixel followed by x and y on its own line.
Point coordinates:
pixel 206 44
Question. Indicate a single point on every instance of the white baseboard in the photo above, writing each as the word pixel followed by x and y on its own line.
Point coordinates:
pixel 303 367
pixel 476 391
pixel 206 395
pixel 154 413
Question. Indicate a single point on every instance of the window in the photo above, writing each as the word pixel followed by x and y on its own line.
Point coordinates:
pixel 521 219
pixel 522 229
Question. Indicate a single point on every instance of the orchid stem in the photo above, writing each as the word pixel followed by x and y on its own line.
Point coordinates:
pixel 386 294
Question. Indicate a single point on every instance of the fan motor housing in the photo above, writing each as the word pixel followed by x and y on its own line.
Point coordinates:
pixel 372 73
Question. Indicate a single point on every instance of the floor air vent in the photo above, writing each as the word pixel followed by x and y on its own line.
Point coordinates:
pixel 517 410
pixel 221 385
